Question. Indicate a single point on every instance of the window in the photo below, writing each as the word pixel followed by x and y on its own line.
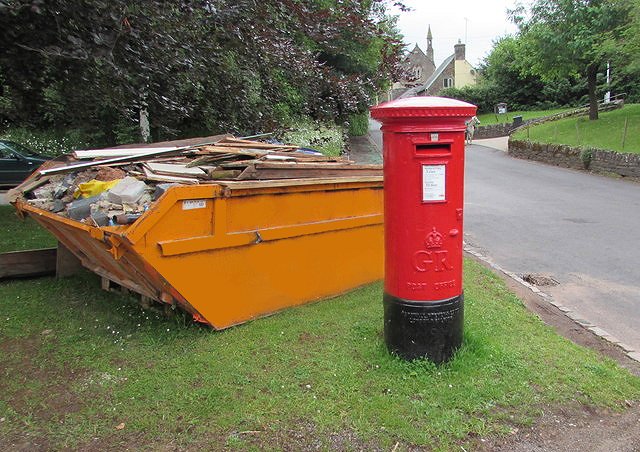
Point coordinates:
pixel 5 152
pixel 448 82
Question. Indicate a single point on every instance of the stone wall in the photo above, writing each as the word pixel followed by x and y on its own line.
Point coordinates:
pixel 501 130
pixel 553 154
pixel 598 160
pixel 615 162
pixel 492 131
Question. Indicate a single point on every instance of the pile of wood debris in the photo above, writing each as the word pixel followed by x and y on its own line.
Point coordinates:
pixel 115 186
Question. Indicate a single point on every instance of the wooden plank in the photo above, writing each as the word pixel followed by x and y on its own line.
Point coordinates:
pixel 239 164
pixel 297 164
pixel 31 184
pixel 220 159
pixel 113 161
pixel 300 157
pixel 192 142
pixel 249 184
pixel 67 264
pixel 205 150
pixel 165 178
pixel 235 142
pixel 146 302
pixel 49 164
pixel 109 280
pixel 113 286
pixel 261 146
pixel 254 172
pixel 210 159
pixel 22 264
pixel 175 158
pixel 305 165
pixel 105 283
pixel 116 152
pixel 223 174
pixel 174 169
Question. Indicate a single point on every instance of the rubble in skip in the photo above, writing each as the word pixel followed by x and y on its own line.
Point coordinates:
pixel 115 186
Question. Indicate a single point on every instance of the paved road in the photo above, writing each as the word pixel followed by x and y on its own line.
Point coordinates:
pixel 583 230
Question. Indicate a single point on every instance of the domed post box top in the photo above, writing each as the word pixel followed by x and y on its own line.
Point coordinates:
pixel 412 111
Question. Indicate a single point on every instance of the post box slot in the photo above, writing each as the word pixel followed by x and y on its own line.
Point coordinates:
pixel 433 150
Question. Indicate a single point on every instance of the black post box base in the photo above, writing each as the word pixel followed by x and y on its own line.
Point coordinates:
pixel 429 329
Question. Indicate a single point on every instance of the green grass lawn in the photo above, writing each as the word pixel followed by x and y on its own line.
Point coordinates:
pixel 491 118
pixel 84 368
pixel 21 235
pixel 605 133
pixel 76 363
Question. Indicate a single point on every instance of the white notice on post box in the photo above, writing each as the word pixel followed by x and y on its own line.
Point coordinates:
pixel 433 183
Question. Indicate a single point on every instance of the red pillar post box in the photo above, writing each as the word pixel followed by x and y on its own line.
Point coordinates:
pixel 423 150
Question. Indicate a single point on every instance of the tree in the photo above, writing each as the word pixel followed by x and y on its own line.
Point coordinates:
pixel 100 60
pixel 506 71
pixel 570 37
pixel 193 65
pixel 503 70
pixel 631 37
pixel 625 61
pixel 505 77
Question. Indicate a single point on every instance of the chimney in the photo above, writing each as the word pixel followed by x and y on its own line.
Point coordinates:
pixel 459 50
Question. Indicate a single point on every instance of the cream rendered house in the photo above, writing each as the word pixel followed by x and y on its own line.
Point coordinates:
pixel 425 79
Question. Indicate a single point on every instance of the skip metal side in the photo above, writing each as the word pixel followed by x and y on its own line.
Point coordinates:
pixel 229 253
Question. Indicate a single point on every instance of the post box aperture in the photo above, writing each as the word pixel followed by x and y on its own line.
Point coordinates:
pixel 423 150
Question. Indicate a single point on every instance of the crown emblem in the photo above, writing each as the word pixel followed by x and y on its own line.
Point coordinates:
pixel 434 239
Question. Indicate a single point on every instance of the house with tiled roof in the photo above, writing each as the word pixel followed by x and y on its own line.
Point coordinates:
pixel 423 78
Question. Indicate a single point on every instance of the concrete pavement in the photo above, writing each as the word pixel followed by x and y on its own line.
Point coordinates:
pixel 364 150
pixel 500 143
pixel 368 148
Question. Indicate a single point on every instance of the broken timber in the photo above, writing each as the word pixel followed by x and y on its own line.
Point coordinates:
pixel 23 264
pixel 266 170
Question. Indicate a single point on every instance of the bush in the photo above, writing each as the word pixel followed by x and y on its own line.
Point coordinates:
pixel 482 96
pixel 586 155
pixel 359 124
pixel 46 142
pixel 326 138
